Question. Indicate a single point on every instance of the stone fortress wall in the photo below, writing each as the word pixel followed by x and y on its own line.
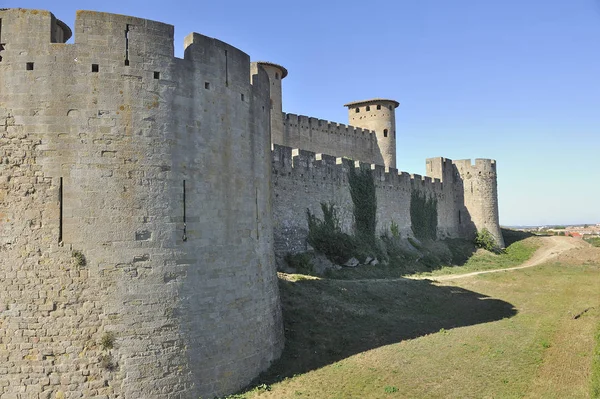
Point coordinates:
pixel 327 137
pixel 171 176
pixel 309 169
pixel 157 170
pixel 304 180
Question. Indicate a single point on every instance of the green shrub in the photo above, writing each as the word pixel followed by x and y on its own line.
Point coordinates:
pixel 108 341
pixel 301 262
pixel 79 258
pixel 326 235
pixel 486 240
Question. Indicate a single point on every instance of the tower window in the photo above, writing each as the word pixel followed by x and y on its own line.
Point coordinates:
pixel 207 85
pixel 378 107
pixel 385 132
pixel 357 109
pixel 242 96
pixel 30 66
pixel 95 67
pixel 368 108
pixel 276 75
pixel 390 107
pixel 156 75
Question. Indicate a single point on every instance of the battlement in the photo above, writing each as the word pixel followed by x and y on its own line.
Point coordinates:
pixel 337 139
pixel 323 167
pixel 306 122
pixel 481 165
pixel 112 43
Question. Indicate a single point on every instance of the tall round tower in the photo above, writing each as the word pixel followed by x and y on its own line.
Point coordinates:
pixel 378 114
pixel 276 74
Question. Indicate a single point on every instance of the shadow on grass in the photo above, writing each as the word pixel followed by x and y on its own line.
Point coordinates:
pixel 329 320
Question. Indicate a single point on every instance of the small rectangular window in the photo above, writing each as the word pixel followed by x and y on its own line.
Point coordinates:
pixel 156 75
pixel 242 96
pixel 378 106
pixel 206 85
pixel 30 66
pixel 95 67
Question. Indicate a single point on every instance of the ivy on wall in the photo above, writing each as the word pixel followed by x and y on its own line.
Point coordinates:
pixel 362 191
pixel 423 215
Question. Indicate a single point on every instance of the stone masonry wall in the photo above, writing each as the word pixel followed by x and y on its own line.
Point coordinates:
pixel 303 180
pixel 157 170
pixel 480 191
pixel 336 139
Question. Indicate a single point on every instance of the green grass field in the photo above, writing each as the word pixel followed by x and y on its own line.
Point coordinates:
pixel 595 241
pixel 532 333
pixel 514 255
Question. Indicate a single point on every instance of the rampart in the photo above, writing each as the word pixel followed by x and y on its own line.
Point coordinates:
pixel 155 170
pixel 333 138
pixel 141 204
pixel 303 180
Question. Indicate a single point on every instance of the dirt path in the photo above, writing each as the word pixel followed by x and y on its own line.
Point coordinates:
pixel 551 248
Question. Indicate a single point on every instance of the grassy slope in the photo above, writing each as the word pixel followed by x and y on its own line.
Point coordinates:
pixel 500 335
pixel 595 382
pixel 514 255
pixel 542 351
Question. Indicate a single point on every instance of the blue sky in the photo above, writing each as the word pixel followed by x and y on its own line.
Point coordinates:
pixel 517 81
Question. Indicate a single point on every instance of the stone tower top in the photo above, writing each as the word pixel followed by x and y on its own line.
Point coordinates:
pixel 371 102
pixel 379 115
pixel 276 74
pixel 266 65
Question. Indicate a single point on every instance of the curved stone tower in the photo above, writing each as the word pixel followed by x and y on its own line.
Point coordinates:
pixel 480 196
pixel 135 212
pixel 276 74
pixel 379 115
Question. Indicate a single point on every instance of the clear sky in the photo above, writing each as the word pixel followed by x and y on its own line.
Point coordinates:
pixel 513 80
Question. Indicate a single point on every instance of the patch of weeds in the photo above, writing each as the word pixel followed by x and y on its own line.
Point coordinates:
pixel 107 341
pixel 414 243
pixel 394 229
pixel 545 344
pixel 262 388
pixel 79 258
pixel 390 389
pixel 326 235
